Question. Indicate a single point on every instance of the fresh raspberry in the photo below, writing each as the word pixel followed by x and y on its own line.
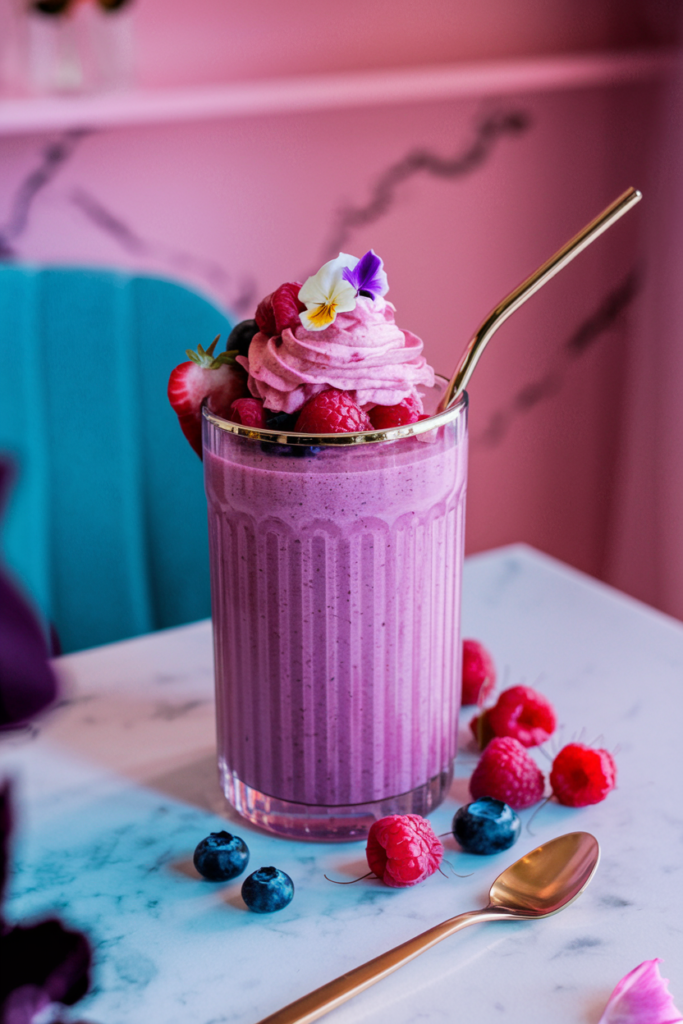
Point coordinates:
pixel 248 411
pixel 523 713
pixel 265 317
pixel 280 309
pixel 581 775
pixel 384 416
pixel 506 772
pixel 331 412
pixel 403 849
pixel 286 306
pixel 478 672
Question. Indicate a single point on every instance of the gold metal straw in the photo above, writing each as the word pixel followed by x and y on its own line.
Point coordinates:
pixel 527 288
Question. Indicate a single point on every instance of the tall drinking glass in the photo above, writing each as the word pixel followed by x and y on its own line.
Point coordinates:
pixel 336 566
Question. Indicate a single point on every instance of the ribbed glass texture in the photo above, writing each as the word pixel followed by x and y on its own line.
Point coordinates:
pixel 336 605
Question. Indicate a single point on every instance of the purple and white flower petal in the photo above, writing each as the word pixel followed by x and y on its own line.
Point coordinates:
pixel 642 997
pixel 368 276
pixel 43 964
pixel 327 293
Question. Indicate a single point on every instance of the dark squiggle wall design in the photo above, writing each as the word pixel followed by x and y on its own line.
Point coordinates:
pixel 53 158
pixel 243 300
pixel 490 130
pixel 239 300
pixel 586 335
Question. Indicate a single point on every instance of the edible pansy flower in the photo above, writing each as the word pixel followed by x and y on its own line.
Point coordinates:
pixel 368 276
pixel 642 997
pixel 328 293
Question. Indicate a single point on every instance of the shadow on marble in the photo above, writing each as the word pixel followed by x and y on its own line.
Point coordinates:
pixel 349 872
pixel 595 1007
pixel 460 791
pixel 185 866
pixel 134 735
pixel 196 783
pixel 233 897
pixel 226 892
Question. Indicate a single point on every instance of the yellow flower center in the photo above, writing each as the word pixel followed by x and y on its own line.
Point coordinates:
pixel 323 314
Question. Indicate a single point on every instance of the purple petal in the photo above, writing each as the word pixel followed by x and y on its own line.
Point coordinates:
pixel 42 964
pixel 642 997
pixel 27 682
pixel 22 1005
pixel 368 276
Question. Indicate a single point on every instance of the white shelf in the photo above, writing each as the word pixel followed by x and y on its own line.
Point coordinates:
pixel 365 88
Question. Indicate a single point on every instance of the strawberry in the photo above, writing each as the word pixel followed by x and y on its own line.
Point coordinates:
pixel 216 379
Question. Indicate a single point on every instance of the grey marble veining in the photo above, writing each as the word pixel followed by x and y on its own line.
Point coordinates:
pixel 117 786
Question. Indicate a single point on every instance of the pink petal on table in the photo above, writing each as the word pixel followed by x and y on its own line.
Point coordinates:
pixel 642 997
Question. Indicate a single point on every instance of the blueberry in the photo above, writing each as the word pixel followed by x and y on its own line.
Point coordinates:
pixel 298 451
pixel 267 890
pixel 304 451
pixel 270 448
pixel 282 421
pixel 486 826
pixel 221 857
pixel 240 336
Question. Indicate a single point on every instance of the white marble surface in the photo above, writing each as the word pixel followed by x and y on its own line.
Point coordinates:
pixel 118 785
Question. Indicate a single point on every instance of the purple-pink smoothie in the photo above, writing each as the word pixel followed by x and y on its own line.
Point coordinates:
pixel 336 607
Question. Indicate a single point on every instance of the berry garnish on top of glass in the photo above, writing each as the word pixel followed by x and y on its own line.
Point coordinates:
pixel 336 499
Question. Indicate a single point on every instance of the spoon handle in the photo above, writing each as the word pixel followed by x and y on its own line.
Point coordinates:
pixel 336 992
pixel 527 288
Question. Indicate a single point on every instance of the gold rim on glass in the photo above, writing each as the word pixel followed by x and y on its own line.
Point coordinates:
pixel 439 419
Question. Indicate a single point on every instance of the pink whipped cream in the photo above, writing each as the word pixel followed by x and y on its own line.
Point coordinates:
pixel 362 352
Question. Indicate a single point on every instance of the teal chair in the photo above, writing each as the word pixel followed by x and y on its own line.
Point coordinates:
pixel 106 527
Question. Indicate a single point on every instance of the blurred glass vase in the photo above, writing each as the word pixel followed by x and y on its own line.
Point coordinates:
pixel 77 45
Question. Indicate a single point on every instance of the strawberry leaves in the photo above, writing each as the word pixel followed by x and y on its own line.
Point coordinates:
pixel 206 359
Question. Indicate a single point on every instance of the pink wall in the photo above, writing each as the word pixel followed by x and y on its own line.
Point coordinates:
pixel 210 40
pixel 237 205
pixel 646 542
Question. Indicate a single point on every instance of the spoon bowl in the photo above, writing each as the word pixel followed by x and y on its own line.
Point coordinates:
pixel 549 878
pixel 537 885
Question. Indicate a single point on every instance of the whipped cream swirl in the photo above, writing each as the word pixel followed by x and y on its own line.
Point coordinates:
pixel 362 352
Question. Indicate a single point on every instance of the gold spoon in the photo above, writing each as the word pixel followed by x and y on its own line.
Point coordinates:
pixel 542 883
pixel 526 289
